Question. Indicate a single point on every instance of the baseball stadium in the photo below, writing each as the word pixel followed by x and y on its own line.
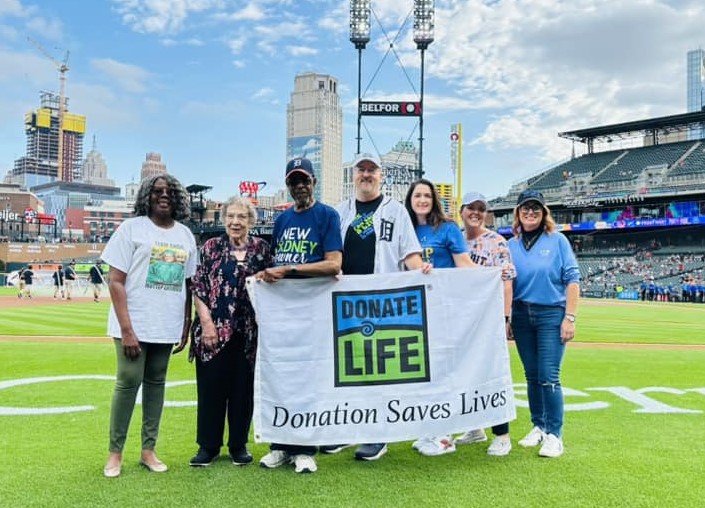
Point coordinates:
pixel 633 383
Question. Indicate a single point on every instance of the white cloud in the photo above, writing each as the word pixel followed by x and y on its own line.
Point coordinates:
pixel 251 12
pixel 301 50
pixel 544 66
pixel 127 76
pixel 11 8
pixel 161 16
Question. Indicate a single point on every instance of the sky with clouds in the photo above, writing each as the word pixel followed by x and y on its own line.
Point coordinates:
pixel 206 82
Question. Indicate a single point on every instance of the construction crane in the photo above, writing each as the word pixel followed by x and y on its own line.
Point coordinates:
pixel 63 68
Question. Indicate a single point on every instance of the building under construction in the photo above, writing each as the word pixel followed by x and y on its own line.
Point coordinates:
pixel 40 164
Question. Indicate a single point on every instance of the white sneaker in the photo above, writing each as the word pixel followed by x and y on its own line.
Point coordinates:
pixel 275 458
pixel 552 446
pixel 419 443
pixel 534 438
pixel 304 464
pixel 501 446
pixel 472 436
pixel 437 446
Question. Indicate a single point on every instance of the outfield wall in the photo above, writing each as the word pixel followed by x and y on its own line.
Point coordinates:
pixel 14 252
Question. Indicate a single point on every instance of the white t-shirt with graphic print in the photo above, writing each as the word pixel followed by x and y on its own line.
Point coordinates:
pixel 157 262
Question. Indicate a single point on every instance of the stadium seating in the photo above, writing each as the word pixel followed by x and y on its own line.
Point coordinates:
pixel 585 165
pixel 634 161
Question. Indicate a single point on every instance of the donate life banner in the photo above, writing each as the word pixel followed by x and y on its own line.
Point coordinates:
pixel 380 358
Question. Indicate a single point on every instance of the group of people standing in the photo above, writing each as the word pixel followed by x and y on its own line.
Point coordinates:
pixel 368 233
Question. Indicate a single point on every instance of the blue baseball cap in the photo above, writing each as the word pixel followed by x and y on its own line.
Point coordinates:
pixel 300 165
pixel 531 195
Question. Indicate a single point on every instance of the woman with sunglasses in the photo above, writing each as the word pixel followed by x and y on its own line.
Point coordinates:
pixel 545 300
pixel 443 246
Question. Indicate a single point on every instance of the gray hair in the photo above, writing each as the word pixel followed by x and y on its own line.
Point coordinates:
pixel 240 202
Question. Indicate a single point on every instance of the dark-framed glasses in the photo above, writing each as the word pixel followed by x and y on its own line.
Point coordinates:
pixel 531 207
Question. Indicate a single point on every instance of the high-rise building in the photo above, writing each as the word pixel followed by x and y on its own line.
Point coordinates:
pixel 315 131
pixel 696 88
pixel 94 169
pixel 152 166
pixel 40 163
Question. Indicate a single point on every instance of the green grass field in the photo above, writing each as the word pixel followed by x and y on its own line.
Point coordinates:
pixel 615 456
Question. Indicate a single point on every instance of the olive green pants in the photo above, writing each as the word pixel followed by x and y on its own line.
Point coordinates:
pixel 148 370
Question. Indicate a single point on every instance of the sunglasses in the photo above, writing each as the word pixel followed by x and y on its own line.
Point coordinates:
pixel 531 207
pixel 294 181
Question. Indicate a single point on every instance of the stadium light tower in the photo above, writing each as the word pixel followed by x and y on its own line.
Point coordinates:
pixel 423 37
pixel 359 36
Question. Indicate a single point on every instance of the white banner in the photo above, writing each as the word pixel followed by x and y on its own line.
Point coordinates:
pixel 380 358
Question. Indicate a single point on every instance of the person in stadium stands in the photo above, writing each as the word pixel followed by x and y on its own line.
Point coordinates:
pixel 69 278
pixel 378 237
pixel 545 301
pixel 28 276
pixel 319 224
pixel 487 248
pixel 443 246
pixel 224 334
pixel 58 278
pixel 95 276
pixel 146 320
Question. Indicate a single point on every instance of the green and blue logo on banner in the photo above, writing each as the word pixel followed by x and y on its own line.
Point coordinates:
pixel 381 337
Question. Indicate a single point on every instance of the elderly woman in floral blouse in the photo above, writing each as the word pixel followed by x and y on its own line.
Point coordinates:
pixel 225 334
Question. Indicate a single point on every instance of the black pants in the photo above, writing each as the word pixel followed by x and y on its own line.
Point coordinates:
pixel 501 429
pixel 225 387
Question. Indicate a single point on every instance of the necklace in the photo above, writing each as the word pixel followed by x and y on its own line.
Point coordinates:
pixel 529 239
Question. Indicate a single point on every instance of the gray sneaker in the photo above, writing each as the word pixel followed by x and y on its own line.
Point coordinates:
pixel 275 458
pixel 472 436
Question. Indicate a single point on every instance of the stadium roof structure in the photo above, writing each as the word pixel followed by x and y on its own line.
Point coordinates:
pixel 196 188
pixel 651 126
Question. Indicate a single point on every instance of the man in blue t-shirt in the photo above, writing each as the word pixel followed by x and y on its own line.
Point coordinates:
pixel 306 242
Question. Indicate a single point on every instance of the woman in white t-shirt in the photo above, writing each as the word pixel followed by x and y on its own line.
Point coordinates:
pixel 150 311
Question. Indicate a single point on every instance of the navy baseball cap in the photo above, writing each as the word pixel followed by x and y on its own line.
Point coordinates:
pixel 531 195
pixel 300 165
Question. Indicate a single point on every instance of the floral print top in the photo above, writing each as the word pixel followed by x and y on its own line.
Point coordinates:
pixel 491 249
pixel 219 282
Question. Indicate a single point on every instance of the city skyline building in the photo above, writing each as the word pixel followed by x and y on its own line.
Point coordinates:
pixel 94 168
pixel 40 165
pixel 315 131
pixel 696 88
pixel 152 166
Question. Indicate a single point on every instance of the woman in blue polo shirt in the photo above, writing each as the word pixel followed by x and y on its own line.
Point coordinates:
pixel 545 300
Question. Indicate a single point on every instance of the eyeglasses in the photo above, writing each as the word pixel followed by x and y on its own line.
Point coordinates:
pixel 531 207
pixel 160 191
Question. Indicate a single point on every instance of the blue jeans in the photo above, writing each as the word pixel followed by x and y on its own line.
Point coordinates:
pixel 537 331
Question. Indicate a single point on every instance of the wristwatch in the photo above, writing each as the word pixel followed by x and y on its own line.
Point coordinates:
pixel 570 317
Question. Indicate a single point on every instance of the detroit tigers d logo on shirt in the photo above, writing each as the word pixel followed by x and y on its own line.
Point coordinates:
pixel 380 337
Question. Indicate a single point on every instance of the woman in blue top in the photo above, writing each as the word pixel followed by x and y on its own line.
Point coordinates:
pixel 441 239
pixel 443 246
pixel 545 299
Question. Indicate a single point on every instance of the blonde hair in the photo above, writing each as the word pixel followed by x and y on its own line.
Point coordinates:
pixel 547 222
